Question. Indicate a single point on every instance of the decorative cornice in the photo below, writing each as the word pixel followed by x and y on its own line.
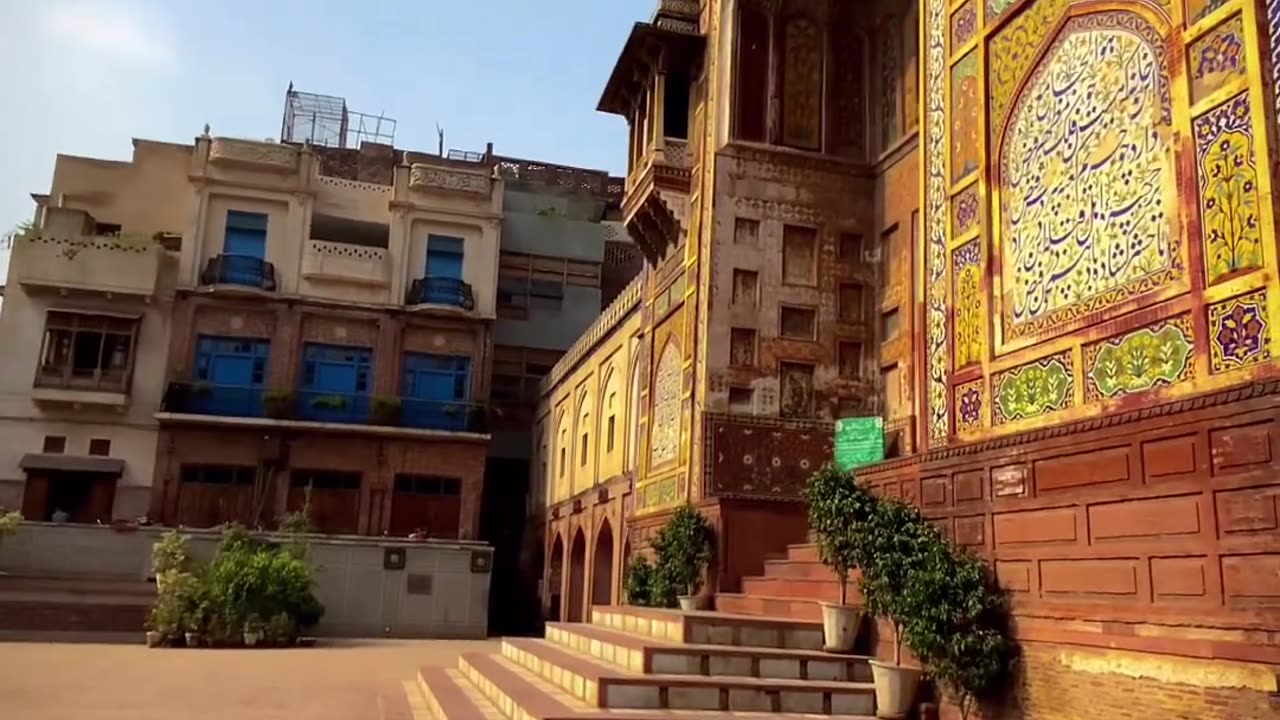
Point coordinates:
pixel 622 306
pixel 1238 393
pixel 426 177
pixel 262 155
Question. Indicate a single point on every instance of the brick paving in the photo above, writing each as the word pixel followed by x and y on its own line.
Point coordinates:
pixel 338 680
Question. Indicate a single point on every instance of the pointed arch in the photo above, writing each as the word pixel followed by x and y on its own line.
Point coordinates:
pixel 602 566
pixel 575 602
pixel 555 575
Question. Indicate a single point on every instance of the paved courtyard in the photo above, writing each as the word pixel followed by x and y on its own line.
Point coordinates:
pixel 339 680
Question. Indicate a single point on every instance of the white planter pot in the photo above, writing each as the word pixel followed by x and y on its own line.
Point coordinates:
pixel 895 689
pixel 840 626
pixel 690 603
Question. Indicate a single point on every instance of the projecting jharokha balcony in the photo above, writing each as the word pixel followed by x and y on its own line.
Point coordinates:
pixel 240 270
pixel 440 291
pixel 318 406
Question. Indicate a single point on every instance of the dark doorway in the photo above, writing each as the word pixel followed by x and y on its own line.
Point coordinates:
pixel 514 605
pixel 78 497
pixel 577 577
pixel 602 567
pixel 555 574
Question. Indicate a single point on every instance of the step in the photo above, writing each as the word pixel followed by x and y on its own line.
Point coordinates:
pixel 636 653
pixel 606 686
pixel 515 692
pixel 802 569
pixel 711 628
pixel 397 701
pixel 804 552
pixel 800 609
pixel 828 590
pixel 445 694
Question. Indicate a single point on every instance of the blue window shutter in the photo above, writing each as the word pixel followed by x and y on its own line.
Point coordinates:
pixel 444 256
pixel 246 234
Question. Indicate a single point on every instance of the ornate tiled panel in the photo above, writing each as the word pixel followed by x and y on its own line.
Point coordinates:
pixel 1239 332
pixel 1141 360
pixel 968 318
pixel 1033 389
pixel 1217 58
pixel 1227 179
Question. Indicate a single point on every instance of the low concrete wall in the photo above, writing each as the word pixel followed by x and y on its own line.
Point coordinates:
pixel 442 590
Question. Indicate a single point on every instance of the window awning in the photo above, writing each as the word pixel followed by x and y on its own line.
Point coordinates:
pixel 72 463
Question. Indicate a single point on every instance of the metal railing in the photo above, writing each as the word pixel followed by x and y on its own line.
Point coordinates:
pixel 244 270
pixel 198 398
pixel 440 291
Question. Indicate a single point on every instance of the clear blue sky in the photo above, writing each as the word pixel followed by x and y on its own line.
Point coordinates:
pixel 85 76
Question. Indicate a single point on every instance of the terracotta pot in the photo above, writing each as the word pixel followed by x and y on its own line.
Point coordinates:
pixel 895 689
pixel 690 603
pixel 840 626
pixel 154 639
pixel 193 640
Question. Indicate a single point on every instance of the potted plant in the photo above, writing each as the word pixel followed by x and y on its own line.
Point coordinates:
pixel 168 558
pixel 684 549
pixel 253 630
pixel 385 411
pixel 280 630
pixel 837 504
pixel 277 404
pixel 193 626
pixel 164 623
pixel 638 581
pixel 889 546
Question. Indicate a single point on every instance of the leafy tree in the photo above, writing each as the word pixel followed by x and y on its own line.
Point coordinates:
pixel 683 547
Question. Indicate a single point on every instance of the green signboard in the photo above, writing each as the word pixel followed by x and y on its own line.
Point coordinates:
pixel 859 441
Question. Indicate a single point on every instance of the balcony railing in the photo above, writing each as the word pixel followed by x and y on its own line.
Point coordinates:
pixel 243 270
pixel 440 291
pixel 327 407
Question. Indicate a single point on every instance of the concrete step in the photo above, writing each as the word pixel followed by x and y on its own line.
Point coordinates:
pixel 828 589
pixel 803 552
pixel 606 686
pixel 636 653
pixel 516 693
pixel 711 628
pixel 396 701
pixel 798 609
pixel 445 694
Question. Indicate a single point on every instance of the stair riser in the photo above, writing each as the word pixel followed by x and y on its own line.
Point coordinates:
pixel 803 553
pixel 635 695
pixel 669 630
pixel 495 694
pixel 714 631
pixel 828 590
pixel 770 607
pixel 582 688
pixel 798 570
pixel 631 659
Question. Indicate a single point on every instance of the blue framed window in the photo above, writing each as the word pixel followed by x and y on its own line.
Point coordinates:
pixel 435 389
pixel 336 380
pixel 229 374
pixel 444 257
pixel 246 234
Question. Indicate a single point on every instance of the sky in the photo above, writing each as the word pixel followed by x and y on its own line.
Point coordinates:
pixel 84 77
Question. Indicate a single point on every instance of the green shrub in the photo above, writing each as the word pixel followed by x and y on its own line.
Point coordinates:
pixel 9 522
pixel 638 581
pixel 683 547
pixel 170 554
pixel 837 505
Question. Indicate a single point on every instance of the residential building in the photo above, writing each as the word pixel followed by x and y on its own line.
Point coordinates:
pixel 1036 272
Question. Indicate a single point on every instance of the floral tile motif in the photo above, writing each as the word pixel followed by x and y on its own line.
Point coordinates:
pixel 1198 9
pixel 996 8
pixel 966 105
pixel 936 332
pixel 970 397
pixel 1273 49
pixel 1217 58
pixel 1228 180
pixel 1239 332
pixel 964 211
pixel 1033 389
pixel 1144 359
pixel 964 24
pixel 968 318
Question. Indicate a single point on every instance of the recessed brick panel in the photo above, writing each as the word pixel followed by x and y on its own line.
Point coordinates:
pixel 1177 578
pixel 1251 579
pixel 1089 577
pixel 971 530
pixel 1247 511
pixel 1014 575
pixel 1009 481
pixel 1238 448
pixel 1145 518
pixel 1169 458
pixel 968 485
pixel 1095 467
pixel 933 491
pixel 1035 526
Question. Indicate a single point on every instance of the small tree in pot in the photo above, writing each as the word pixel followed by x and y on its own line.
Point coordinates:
pixel 837 505
pixel 684 549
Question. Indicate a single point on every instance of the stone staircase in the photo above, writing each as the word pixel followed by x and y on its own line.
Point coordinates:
pixel 646 664
pixel 791 587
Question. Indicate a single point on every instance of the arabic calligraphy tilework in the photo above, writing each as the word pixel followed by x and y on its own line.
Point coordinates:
pixel 660 493
pixel 666 407
pixel 964 211
pixel 970 397
pixel 1197 9
pixel 1217 57
pixel 1239 332
pixel 1141 360
pixel 1227 177
pixel 1086 170
pixel 964 24
pixel 965 106
pixel 936 342
pixel 966 273
pixel 1011 53
pixel 1034 389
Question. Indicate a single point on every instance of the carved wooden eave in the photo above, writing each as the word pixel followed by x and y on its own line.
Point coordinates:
pixel 649 48
pixel 654 226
